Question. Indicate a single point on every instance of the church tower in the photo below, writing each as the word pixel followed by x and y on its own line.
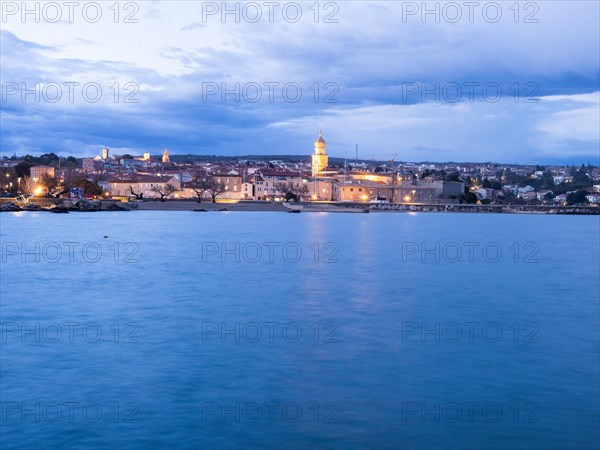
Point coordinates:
pixel 165 158
pixel 320 160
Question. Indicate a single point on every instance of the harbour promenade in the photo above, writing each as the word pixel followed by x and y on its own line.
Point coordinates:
pixel 60 205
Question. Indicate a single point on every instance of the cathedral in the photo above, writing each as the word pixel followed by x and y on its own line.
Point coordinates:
pixel 320 160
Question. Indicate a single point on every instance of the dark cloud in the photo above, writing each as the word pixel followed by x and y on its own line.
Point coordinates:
pixel 370 57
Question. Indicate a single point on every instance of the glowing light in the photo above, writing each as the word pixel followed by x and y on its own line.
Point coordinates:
pixel 407 198
pixel 38 190
pixel 364 197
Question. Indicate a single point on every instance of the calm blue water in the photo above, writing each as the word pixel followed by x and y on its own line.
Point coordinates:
pixel 124 348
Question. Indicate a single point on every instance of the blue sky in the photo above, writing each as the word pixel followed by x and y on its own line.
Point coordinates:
pixel 372 61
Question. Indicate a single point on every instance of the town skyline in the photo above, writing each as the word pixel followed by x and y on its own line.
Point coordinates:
pixel 169 177
pixel 157 154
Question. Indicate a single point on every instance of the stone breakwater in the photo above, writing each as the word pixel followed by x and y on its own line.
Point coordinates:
pixel 66 206
pixel 497 209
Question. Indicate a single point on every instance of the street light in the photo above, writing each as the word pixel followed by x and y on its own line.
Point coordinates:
pixel 316 174
pixel 413 193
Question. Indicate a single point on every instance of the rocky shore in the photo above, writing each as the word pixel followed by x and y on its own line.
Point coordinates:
pixel 66 206
pixel 496 209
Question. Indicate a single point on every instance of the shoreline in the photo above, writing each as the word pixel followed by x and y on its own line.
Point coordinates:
pixel 65 206
pixel 354 208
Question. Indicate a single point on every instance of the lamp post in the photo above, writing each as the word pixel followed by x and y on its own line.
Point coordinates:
pixel 413 193
pixel 316 180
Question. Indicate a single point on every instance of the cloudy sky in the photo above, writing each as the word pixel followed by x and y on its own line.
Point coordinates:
pixel 506 81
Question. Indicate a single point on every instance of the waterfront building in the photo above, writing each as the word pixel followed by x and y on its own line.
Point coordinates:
pixel 431 192
pixel 362 191
pixel 140 185
pixel 322 189
pixel 37 172
pixel 91 166
pixel 269 182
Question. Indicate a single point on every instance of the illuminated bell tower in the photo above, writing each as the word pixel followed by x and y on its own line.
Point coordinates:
pixel 165 158
pixel 320 160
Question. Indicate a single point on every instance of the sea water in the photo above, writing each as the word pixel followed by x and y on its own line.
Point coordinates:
pixel 270 330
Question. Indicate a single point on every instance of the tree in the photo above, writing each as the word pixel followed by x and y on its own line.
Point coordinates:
pixel 511 177
pixel 548 197
pixel 164 191
pixel 580 176
pixel 548 180
pixel 486 183
pixel 49 182
pixel 23 170
pixel 453 177
pixel 290 190
pixel 469 197
pixel 214 189
pixel 48 159
pixel 139 196
pixel 577 197
pixel 88 186
pixel 199 187
pixel 27 185
pixel 70 163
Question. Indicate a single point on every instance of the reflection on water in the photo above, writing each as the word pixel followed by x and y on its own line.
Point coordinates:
pixel 299 330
